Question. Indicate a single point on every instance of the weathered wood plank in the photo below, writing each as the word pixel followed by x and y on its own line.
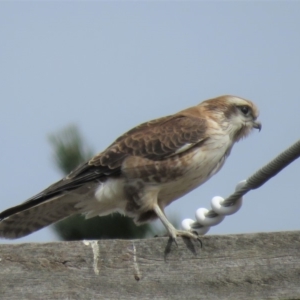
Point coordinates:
pixel 252 266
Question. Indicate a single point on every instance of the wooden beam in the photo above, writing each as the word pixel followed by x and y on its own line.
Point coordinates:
pixel 247 266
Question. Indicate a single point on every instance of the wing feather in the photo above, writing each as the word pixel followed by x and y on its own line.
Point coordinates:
pixel 155 140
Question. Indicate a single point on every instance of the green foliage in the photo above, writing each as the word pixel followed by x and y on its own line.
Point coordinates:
pixel 70 150
pixel 114 226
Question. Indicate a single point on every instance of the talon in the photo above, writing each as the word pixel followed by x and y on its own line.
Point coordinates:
pixel 187 234
pixel 200 242
pixel 173 233
pixel 198 238
pixel 175 241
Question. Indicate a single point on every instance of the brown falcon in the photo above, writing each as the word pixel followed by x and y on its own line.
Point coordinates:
pixel 144 170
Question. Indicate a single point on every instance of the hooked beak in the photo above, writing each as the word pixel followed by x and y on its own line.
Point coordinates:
pixel 257 125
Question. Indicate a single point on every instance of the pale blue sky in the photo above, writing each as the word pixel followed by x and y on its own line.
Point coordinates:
pixel 108 66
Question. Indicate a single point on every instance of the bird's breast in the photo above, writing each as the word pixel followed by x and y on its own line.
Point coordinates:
pixel 171 178
pixel 197 166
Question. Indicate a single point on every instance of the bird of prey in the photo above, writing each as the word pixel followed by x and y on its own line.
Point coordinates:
pixel 144 170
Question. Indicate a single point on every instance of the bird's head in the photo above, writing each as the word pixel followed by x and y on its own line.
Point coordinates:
pixel 236 115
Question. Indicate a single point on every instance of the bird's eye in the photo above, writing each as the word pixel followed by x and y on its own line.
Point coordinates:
pixel 245 110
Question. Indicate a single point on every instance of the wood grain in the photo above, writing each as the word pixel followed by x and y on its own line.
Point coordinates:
pixel 249 266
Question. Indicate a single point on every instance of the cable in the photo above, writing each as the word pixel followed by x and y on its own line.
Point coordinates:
pixel 253 182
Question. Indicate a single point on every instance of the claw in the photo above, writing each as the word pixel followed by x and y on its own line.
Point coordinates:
pixel 200 242
pixel 174 233
pixel 188 234
pixel 175 241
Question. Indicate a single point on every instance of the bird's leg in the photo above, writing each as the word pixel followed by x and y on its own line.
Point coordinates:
pixel 173 232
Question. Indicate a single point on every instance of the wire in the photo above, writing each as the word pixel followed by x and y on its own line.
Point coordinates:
pixel 259 178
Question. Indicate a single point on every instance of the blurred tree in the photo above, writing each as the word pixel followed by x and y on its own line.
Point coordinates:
pixel 70 150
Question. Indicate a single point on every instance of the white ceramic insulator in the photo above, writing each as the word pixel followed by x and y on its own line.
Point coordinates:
pixel 217 206
pixel 206 221
pixel 186 225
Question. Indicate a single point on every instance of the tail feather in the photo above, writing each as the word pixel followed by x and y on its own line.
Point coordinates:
pixel 22 220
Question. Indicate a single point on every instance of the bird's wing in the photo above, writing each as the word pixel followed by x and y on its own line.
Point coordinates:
pixel 154 140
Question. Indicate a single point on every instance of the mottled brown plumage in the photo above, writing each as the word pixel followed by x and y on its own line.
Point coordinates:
pixel 144 170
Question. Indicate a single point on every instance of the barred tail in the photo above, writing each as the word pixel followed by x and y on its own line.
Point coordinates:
pixel 26 218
